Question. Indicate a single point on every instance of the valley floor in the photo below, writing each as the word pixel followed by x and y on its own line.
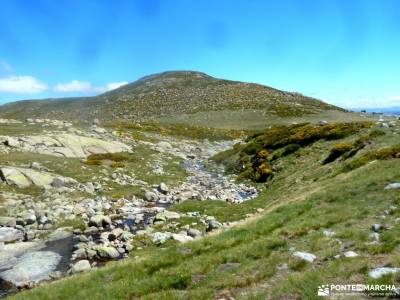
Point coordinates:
pixel 313 223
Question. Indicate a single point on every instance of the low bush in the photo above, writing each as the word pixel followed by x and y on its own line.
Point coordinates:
pixel 117 159
pixel 262 172
pixel 381 154
pixel 186 131
pixel 347 150
pixel 109 156
pixel 117 165
pixel 337 151
pixel 253 160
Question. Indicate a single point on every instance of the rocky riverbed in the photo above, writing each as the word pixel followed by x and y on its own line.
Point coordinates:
pixel 35 247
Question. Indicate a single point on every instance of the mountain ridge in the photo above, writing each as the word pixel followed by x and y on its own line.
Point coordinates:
pixel 169 93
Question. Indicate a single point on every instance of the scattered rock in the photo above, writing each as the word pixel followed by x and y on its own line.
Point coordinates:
pixel 181 238
pixel 328 233
pixel 9 234
pixel 161 237
pixel 150 196
pixel 393 186
pixel 213 224
pixel 115 233
pixel 163 188
pixel 376 227
pixel 8 221
pixel 100 221
pixel 81 266
pixel 322 122
pixel 107 252
pixel 374 236
pixel 23 177
pixel 194 233
pixel 57 182
pixel 305 256
pixel 350 254
pixel 29 218
pixel 379 272
pixel 167 215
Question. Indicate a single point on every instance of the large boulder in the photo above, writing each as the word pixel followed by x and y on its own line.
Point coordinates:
pixel 163 188
pixel 167 215
pixel 31 268
pixel 160 238
pixel 8 221
pixel 24 177
pixel 9 234
pixel 81 266
pixel 305 256
pixel 66 145
pixel 11 251
pixel 181 238
pixel 100 221
pixel 150 196
pixel 71 145
pixel 107 252
pixel 13 176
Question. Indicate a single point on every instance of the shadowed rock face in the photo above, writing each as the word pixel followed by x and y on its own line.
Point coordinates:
pixel 65 145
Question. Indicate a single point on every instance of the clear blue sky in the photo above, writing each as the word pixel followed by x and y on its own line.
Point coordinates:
pixel 343 51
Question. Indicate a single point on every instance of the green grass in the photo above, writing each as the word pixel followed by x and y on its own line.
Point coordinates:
pixel 380 154
pixel 303 198
pixel 76 223
pixel 258 119
pixel 180 131
pixel 20 129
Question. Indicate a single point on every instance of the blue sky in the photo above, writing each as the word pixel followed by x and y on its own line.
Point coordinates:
pixel 344 52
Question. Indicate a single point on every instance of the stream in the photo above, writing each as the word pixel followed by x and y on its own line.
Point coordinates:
pixel 25 262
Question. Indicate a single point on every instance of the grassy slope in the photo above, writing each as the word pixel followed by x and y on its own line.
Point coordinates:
pixel 304 198
pixel 253 119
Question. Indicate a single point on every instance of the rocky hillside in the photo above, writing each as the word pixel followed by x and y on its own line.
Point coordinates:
pixel 168 94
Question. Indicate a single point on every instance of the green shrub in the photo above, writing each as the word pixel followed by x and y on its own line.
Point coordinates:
pixel 263 172
pixel 92 162
pixel 291 148
pixel 347 150
pixel 381 154
pixel 253 159
pixel 108 156
pixel 376 132
pixel 117 165
pixel 263 154
pixel 187 131
pixel 337 151
pixel 116 158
